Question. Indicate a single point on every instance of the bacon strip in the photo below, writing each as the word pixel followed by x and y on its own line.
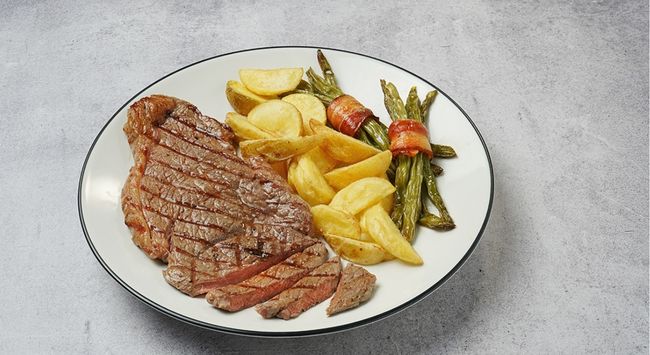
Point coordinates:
pixel 409 137
pixel 346 114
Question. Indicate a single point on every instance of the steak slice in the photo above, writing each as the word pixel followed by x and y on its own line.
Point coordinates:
pixel 191 201
pixel 312 289
pixel 355 287
pixel 269 282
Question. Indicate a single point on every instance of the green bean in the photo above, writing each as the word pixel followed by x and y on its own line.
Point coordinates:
pixel 401 178
pixel 428 100
pixel 434 195
pixel 327 92
pixel 392 101
pixel 413 105
pixel 443 151
pixel 378 131
pixel 434 222
pixel 326 68
pixel 412 197
pixel 362 136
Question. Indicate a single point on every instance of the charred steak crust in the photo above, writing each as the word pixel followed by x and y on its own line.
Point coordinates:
pixel 191 201
pixel 355 287
pixel 309 291
pixel 268 283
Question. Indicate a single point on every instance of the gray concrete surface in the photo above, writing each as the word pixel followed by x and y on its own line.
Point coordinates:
pixel 558 88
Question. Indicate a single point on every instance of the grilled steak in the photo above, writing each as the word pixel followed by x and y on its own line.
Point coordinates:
pixel 190 200
pixel 312 289
pixel 268 283
pixel 356 286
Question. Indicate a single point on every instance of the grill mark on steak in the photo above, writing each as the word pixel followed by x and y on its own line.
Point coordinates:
pixel 203 184
pixel 268 283
pixel 215 218
pixel 310 290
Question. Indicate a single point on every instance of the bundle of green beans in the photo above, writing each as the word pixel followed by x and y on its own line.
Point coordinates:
pixel 411 176
pixel 326 89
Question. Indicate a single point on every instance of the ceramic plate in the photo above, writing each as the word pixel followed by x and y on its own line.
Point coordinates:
pixel 467 187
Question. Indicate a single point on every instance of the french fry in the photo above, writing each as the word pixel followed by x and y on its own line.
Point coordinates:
pixel 276 149
pixel 309 183
pixel 356 251
pixel 244 130
pixel 331 221
pixel 377 223
pixel 341 147
pixel 277 116
pixel 373 166
pixel 362 194
pixel 271 81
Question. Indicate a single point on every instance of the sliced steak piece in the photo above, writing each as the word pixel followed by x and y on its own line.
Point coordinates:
pixel 191 201
pixel 269 282
pixel 356 286
pixel 309 291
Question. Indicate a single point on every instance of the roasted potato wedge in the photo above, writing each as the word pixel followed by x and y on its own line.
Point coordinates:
pixel 387 203
pixel 323 161
pixel 309 183
pixel 356 251
pixel 277 116
pixel 244 130
pixel 310 107
pixel 362 194
pixel 373 166
pixel 271 81
pixel 276 149
pixel 377 223
pixel 331 221
pixel 341 147
pixel 241 99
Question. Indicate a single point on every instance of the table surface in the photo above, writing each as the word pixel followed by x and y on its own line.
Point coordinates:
pixel 559 90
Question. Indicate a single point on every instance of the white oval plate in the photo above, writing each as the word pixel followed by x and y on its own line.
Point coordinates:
pixel 466 186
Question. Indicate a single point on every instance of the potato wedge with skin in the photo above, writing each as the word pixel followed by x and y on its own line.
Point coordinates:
pixel 377 223
pixel 241 99
pixel 341 147
pixel 362 194
pixel 277 116
pixel 276 149
pixel 356 251
pixel 310 107
pixel 310 183
pixel 373 166
pixel 323 161
pixel 331 221
pixel 271 81
pixel 244 130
